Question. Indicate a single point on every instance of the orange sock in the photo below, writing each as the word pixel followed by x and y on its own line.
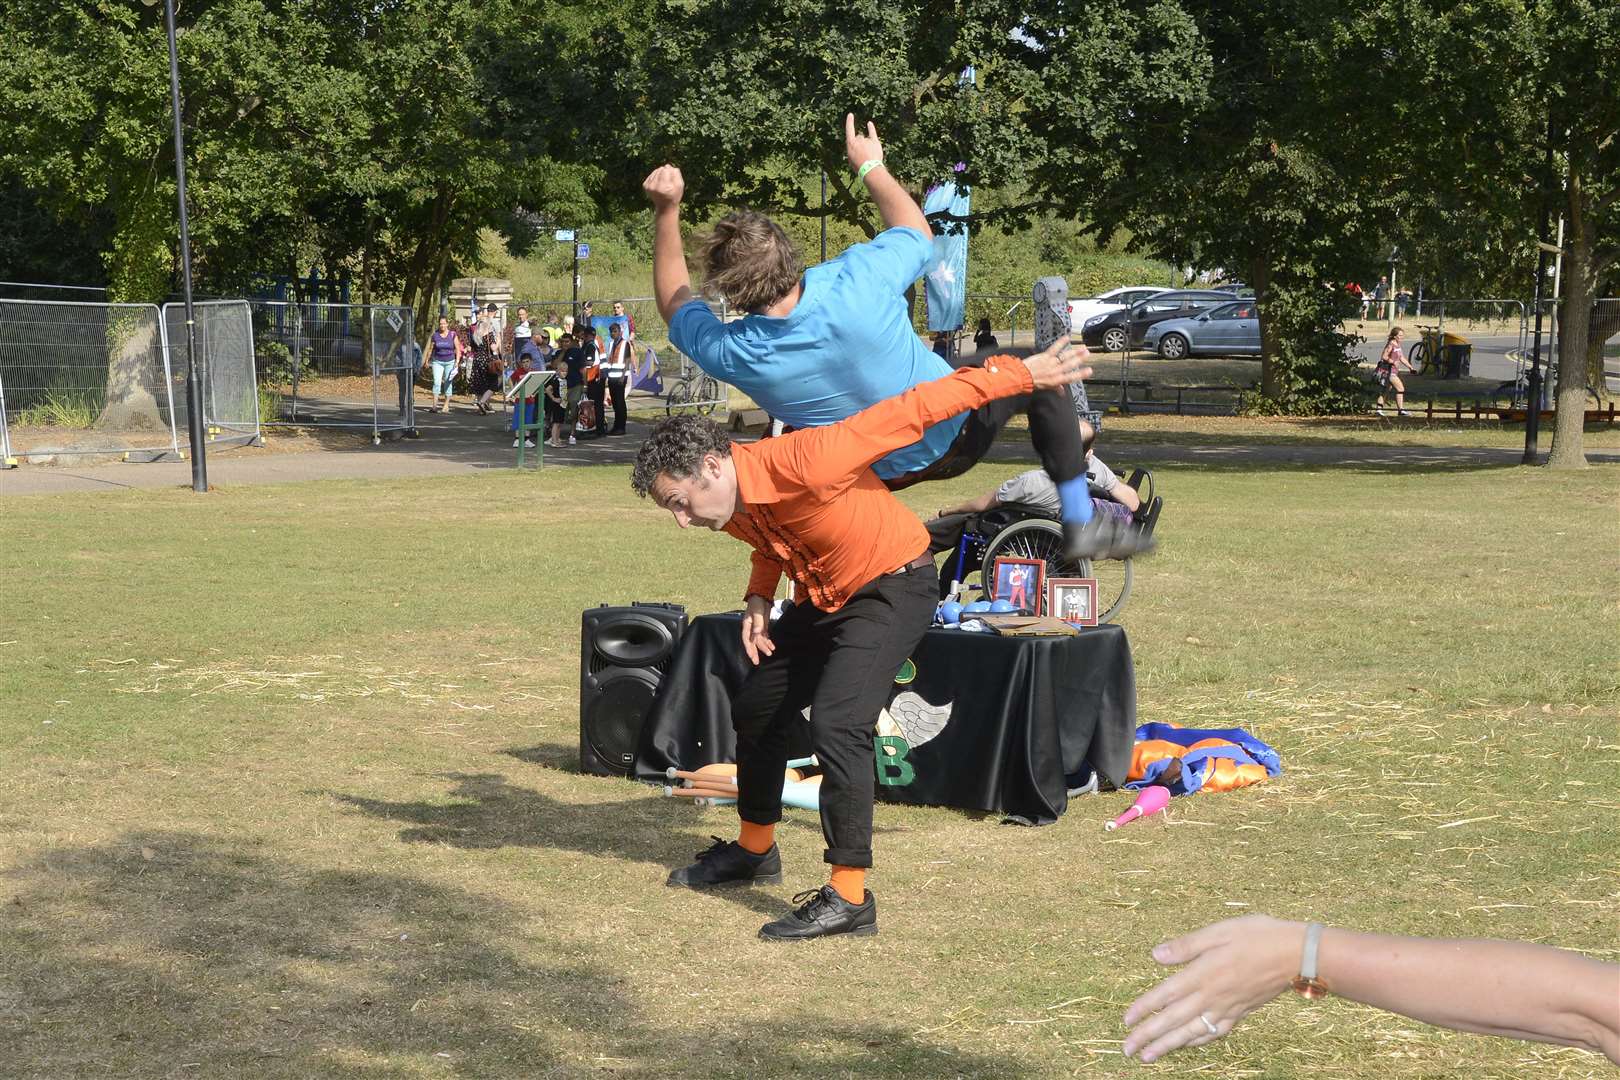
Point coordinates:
pixel 850 881
pixel 756 839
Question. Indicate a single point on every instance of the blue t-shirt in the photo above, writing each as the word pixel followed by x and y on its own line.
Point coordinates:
pixel 847 344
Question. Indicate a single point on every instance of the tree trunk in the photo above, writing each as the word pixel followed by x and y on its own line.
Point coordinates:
pixel 140 269
pixel 1575 310
pixel 1270 375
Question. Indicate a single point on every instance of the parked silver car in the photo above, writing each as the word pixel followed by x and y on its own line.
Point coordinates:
pixel 1228 330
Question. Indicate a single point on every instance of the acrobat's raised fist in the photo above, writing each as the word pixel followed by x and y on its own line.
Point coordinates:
pixel 664 187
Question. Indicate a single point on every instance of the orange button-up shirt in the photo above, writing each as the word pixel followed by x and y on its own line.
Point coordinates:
pixel 814 509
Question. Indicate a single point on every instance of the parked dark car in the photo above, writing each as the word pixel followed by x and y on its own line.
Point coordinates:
pixel 1111 332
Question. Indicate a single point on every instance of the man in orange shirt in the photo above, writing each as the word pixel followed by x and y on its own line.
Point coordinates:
pixel 810 505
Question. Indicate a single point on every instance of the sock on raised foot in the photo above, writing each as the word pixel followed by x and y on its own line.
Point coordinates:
pixel 1074 497
pixel 756 839
pixel 850 883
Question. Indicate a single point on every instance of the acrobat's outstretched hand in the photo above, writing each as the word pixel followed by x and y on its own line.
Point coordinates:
pixel 1059 365
pixel 664 187
pixel 861 148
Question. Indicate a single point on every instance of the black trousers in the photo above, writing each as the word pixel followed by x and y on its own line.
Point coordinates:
pixel 841 665
pixel 1054 428
pixel 616 392
pixel 596 391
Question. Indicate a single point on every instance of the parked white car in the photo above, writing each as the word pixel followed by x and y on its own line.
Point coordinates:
pixel 1084 308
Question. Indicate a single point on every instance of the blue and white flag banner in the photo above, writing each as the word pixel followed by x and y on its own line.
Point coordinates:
pixel 946 273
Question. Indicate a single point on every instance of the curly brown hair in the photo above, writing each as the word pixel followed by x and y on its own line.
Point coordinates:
pixel 677 447
pixel 749 261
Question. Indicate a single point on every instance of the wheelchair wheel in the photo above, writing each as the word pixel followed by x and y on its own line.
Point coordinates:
pixel 1113 578
pixel 1041 538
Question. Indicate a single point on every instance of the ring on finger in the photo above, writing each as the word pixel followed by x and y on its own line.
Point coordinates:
pixel 1209 1026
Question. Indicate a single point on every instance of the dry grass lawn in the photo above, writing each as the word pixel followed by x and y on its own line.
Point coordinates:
pixel 289 789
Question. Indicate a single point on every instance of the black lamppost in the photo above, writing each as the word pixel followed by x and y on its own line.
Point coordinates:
pixel 823 215
pixel 194 418
pixel 1532 407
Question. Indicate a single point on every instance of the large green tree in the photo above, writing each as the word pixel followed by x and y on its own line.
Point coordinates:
pixel 1499 111
pixel 1199 127
pixel 1191 127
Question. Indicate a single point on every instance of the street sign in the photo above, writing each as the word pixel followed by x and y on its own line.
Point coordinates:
pixel 584 251
pixel 565 236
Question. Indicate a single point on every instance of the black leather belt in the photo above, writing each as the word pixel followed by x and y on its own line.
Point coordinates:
pixel 916 564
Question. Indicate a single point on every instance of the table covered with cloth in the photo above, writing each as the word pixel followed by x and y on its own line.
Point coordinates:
pixel 975 721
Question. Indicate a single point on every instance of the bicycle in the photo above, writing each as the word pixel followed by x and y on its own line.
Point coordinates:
pixel 1517 389
pixel 696 391
pixel 1430 348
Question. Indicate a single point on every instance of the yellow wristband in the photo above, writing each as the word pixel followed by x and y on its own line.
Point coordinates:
pixel 866 167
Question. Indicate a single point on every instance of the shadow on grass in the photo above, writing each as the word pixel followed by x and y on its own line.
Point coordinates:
pixel 1235 455
pixel 175 953
pixel 485 811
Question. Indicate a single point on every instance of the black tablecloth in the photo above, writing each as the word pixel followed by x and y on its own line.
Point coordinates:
pixel 1023 714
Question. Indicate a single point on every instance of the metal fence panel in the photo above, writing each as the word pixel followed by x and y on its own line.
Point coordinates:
pixel 6 460
pixel 396 358
pixel 335 365
pixel 85 378
pixel 223 336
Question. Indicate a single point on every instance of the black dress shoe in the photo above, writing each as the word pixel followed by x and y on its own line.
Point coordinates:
pixel 1105 537
pixel 726 862
pixel 823 912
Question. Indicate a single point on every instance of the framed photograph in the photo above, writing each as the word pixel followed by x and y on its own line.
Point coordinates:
pixel 1018 581
pixel 1072 599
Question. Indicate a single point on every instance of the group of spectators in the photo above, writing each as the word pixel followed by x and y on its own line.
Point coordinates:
pixel 490 358
pixel 1376 302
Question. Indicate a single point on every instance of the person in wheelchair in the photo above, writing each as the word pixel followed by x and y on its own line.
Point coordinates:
pixel 985 526
pixel 1036 494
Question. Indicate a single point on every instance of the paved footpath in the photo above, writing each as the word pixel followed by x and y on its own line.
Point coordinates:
pixel 463 443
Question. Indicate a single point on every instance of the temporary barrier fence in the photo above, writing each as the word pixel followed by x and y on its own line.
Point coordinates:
pixel 337 365
pixel 7 461
pixel 223 337
pixel 81 378
pixel 86 378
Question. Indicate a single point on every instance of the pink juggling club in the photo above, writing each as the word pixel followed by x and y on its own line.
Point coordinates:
pixel 1149 801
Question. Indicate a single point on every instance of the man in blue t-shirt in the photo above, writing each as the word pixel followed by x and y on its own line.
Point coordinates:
pixel 818 345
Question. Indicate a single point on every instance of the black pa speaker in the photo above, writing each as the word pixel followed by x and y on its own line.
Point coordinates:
pixel 624 652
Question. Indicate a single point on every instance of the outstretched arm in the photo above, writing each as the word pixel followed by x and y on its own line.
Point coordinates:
pixel 972 506
pixel 831 457
pixel 893 204
pixel 1506 988
pixel 672 284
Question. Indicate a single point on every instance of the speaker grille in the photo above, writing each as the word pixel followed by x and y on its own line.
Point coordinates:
pixel 615 714
pixel 624 653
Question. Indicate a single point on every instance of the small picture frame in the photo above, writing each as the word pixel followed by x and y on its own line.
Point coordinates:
pixel 1073 600
pixel 1019 582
